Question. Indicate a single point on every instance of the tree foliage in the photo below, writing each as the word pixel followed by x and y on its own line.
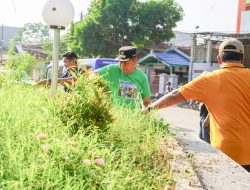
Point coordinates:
pixel 35 33
pixel 111 24
pixel 63 46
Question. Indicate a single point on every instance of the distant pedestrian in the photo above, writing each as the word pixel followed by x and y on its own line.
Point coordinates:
pixel 168 87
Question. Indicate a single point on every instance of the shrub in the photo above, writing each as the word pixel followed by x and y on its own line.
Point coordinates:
pixel 21 64
pixel 38 153
pixel 88 105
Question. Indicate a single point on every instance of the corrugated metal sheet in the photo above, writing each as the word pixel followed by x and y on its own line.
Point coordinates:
pixel 172 58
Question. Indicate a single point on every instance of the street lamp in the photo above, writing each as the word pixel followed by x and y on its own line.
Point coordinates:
pixel 58 14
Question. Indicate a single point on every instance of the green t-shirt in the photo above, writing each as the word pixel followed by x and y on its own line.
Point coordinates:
pixel 127 89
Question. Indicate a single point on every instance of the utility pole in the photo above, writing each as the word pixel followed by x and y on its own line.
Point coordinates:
pixel 209 49
pixel 192 57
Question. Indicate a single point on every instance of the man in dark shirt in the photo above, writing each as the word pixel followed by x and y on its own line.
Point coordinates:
pixel 70 62
pixel 73 69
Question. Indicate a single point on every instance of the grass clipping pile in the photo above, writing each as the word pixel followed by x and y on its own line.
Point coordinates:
pixel 87 107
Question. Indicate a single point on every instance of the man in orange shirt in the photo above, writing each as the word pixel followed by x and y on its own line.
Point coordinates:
pixel 226 93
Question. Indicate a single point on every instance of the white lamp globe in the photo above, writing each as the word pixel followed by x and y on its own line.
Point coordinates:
pixel 58 13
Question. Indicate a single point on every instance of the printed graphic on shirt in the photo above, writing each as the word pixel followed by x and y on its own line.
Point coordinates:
pixel 127 89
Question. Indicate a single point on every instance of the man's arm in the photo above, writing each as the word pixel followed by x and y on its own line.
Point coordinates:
pixel 44 82
pixel 68 80
pixel 169 99
pixel 61 81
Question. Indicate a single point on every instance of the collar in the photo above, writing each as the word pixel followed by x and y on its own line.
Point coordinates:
pixel 232 65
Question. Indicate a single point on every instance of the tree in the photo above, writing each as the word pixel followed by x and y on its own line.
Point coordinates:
pixel 155 22
pixel 63 46
pixel 35 33
pixel 111 24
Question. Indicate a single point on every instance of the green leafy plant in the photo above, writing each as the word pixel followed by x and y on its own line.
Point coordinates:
pixel 88 105
pixel 21 64
pixel 37 152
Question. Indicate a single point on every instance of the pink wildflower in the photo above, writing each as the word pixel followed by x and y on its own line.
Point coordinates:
pixel 40 136
pixel 99 161
pixel 143 147
pixel 45 147
pixel 86 161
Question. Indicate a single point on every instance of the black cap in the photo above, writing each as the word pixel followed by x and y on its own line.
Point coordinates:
pixel 126 53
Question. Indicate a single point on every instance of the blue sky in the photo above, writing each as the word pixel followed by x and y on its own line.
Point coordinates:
pixel 210 15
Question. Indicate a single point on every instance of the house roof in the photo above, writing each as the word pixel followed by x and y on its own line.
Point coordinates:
pixel 170 57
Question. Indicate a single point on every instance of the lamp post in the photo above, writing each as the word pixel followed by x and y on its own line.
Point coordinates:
pixel 58 14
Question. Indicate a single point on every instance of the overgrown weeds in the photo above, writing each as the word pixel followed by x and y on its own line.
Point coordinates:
pixel 37 152
pixel 88 105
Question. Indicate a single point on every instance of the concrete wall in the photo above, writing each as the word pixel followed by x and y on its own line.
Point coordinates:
pixel 198 68
pixel 153 79
pixel 247 55
pixel 244 24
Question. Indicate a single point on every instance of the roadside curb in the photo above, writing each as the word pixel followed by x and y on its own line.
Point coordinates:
pixel 213 169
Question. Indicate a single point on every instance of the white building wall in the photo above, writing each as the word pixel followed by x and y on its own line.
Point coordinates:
pixel 245 25
pixel 199 68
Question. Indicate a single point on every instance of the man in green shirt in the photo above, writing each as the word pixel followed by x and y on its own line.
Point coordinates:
pixel 129 85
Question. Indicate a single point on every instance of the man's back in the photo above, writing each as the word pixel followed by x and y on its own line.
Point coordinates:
pixel 226 94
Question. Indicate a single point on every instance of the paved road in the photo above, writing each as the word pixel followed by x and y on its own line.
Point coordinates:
pixel 213 168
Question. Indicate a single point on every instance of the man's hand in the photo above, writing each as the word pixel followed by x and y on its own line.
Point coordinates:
pixel 45 82
pixel 147 109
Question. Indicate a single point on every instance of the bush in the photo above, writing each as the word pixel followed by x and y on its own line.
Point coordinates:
pixel 21 64
pixel 38 153
pixel 87 106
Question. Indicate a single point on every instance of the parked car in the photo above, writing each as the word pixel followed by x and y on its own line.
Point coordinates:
pixel 102 62
pixel 88 63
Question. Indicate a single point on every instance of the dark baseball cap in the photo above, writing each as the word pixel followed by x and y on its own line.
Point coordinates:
pixel 126 53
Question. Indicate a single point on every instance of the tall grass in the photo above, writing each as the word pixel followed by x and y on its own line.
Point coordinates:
pixel 37 152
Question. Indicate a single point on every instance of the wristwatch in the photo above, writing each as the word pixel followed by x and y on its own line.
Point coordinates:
pixel 150 107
